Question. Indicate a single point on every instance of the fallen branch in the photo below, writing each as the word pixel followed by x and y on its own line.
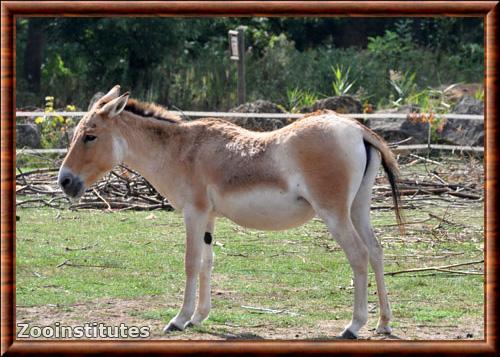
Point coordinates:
pixel 125 189
pixel 245 326
pixel 236 254
pixel 442 219
pixel 102 199
pixel 460 272
pixel 453 148
pixel 434 184
pixel 69 264
pixel 407 223
pixel 434 268
pixel 36 200
pixel 37 171
pixel 269 311
pixel 426 160
pixel 82 248
pixel 397 143
pixel 464 195
pixel 66 261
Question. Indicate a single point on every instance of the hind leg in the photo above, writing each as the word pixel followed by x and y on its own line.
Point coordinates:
pixel 357 254
pixel 360 214
pixel 376 257
pixel 331 183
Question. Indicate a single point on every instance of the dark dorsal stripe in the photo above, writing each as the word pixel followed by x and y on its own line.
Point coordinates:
pixel 143 110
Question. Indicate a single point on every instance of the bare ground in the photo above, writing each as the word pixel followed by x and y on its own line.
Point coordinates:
pixel 113 312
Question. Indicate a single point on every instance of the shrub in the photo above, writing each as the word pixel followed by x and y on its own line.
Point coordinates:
pixel 54 129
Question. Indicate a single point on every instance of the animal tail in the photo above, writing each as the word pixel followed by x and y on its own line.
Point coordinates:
pixel 391 169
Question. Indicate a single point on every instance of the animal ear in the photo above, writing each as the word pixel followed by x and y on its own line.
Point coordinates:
pixel 112 94
pixel 94 100
pixel 115 107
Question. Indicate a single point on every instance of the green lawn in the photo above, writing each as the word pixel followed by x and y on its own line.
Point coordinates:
pixel 66 258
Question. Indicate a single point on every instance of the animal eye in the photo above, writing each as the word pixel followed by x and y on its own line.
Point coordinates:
pixel 88 138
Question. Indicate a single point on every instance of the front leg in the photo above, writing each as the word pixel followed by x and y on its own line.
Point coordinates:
pixel 195 222
pixel 204 301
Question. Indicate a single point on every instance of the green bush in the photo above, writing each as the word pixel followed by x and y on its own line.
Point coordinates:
pixel 191 69
pixel 54 129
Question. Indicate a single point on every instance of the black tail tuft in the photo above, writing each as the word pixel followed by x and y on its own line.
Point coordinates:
pixel 396 197
pixel 367 150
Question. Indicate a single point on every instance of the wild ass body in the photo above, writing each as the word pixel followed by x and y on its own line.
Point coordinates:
pixel 321 165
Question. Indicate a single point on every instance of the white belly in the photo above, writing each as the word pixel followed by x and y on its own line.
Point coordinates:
pixel 263 208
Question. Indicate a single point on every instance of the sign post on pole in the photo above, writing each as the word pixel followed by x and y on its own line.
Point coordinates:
pixel 237 52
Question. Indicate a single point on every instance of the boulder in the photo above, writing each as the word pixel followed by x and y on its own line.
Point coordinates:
pixel 342 105
pixel 456 92
pixel 393 129
pixel 27 135
pixel 259 106
pixel 454 132
pixel 258 124
pixel 465 132
pixel 468 105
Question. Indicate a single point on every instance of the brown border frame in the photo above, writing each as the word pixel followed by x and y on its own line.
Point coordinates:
pixel 10 9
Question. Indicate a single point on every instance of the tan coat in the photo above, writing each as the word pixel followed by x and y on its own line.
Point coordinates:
pixel 323 164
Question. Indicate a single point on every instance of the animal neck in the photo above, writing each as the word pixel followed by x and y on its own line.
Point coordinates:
pixel 147 144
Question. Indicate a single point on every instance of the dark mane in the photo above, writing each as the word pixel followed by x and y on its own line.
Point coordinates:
pixel 150 110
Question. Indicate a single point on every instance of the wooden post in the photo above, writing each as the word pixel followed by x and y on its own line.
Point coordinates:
pixel 237 50
pixel 242 91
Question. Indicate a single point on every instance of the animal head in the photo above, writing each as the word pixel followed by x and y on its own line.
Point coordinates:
pixel 96 147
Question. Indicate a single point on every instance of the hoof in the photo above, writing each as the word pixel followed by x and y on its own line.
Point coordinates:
pixel 195 322
pixel 348 335
pixel 171 328
pixel 384 330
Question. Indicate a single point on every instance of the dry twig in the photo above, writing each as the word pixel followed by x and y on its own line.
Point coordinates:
pixel 438 268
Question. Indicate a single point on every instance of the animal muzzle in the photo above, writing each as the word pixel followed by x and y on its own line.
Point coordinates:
pixel 71 184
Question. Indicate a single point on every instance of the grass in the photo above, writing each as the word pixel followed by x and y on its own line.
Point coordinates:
pixel 138 255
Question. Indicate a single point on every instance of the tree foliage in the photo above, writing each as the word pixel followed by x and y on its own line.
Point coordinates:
pixel 184 62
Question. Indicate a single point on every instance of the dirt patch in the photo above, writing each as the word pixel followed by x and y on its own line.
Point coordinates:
pixel 113 312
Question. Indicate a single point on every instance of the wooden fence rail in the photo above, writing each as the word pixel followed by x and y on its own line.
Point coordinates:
pixel 264 115
pixel 398 148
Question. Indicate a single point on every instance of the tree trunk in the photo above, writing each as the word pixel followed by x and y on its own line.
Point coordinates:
pixel 33 55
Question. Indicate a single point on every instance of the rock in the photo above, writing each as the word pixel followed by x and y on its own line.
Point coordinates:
pixel 258 124
pixel 27 135
pixel 463 132
pixel 402 109
pixel 468 105
pixel 454 132
pixel 342 105
pixel 394 130
pixel 259 106
pixel 454 93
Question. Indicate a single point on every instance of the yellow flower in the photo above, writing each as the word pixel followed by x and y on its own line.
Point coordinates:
pixel 70 107
pixel 39 120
